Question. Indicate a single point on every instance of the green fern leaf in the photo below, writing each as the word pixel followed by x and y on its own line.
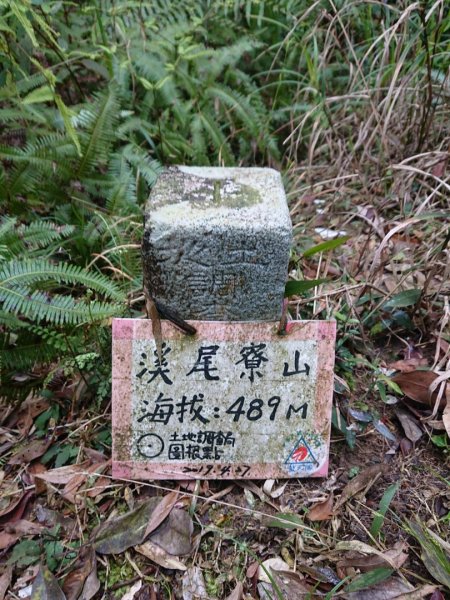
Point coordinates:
pixel 56 309
pixel 100 122
pixel 26 273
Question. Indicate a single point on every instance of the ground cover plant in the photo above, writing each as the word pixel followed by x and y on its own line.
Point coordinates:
pixel 350 101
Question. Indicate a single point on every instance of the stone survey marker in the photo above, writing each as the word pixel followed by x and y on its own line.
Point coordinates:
pixel 217 241
pixel 236 400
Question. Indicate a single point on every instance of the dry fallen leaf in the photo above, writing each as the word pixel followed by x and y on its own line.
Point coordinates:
pixel 175 533
pixel 70 489
pixel 276 563
pixel 17 509
pixel 321 511
pixel 5 581
pixel 439 168
pixel 161 511
pixel 357 546
pixel 292 585
pixel 237 593
pixel 82 582
pixel 408 365
pixel 410 425
pixel 360 482
pixel 266 591
pixel 289 585
pixel 50 518
pixel 30 452
pixel 415 385
pixel 92 583
pixel 62 475
pixel 446 416
pixel 99 486
pixel 7 539
pixel 254 489
pixel 406 446
pixel 10 496
pixel 134 589
pixel 252 569
pixel 33 469
pixel 120 533
pixel 160 556
pixel 23 527
pixel 27 576
pixel 395 557
pixel 393 588
pixel 435 553
pixel 45 586
pixel 147 592
pixel 273 493
pixel 30 408
pixel 422 592
pixel 194 585
pixel 322 574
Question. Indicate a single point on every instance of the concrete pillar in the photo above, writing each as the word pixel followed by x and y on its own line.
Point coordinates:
pixel 217 241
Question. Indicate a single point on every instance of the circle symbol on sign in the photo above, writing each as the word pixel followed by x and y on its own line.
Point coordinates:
pixel 150 445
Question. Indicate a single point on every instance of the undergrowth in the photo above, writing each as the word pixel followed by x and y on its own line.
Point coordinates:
pixel 348 98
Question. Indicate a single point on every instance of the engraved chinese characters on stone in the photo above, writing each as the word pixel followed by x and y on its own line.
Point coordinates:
pixel 236 400
pixel 217 242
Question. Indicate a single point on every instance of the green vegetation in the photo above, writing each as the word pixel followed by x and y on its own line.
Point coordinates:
pixel 95 97
pixel 349 99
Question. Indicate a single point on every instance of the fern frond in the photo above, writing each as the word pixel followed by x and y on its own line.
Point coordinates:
pixel 26 355
pixel 229 56
pixel 27 238
pixel 238 103
pixel 21 180
pixel 56 309
pixel 41 234
pixel 217 138
pixel 140 160
pixel 100 123
pixel 22 86
pixel 10 321
pixel 122 193
pixel 44 157
pixel 28 273
pixel 199 152
pixel 17 114
pixel 7 225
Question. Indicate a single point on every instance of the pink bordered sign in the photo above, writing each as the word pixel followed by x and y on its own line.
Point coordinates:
pixel 235 401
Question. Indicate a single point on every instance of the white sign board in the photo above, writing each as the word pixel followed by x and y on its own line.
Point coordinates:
pixel 237 400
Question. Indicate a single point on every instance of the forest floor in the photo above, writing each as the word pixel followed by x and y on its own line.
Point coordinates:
pixel 376 527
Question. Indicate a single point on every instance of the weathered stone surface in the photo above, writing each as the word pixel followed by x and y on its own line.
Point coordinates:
pixel 216 243
pixel 236 400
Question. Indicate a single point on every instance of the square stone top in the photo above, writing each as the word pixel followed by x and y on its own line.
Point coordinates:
pixel 217 241
pixel 230 197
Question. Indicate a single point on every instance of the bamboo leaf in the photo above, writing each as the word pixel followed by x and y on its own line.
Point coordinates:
pixel 385 501
pixel 366 580
pixel 403 299
pixel 296 288
pixel 435 554
pixel 66 116
pixel 325 246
